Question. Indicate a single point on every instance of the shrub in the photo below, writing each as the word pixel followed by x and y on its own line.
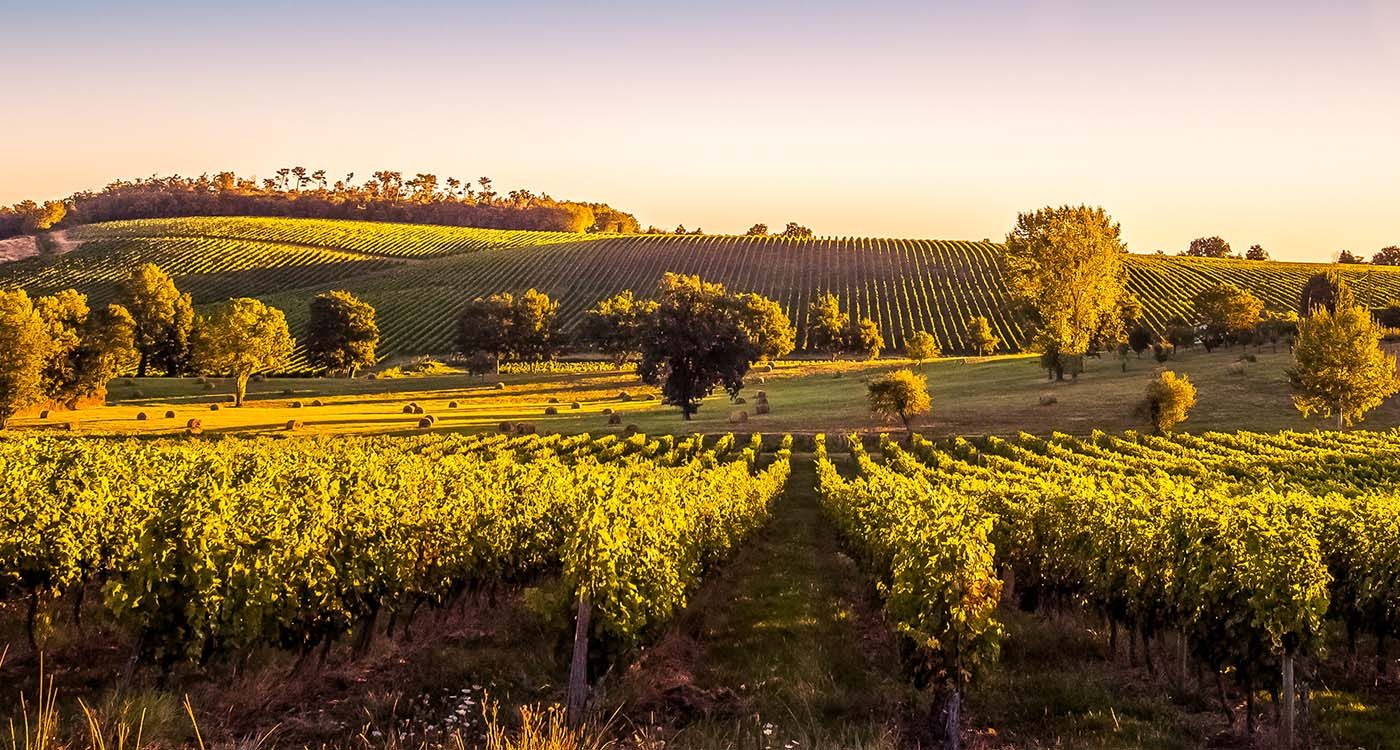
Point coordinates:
pixel 550 411
pixel 1169 400
pixel 1048 399
pixel 899 394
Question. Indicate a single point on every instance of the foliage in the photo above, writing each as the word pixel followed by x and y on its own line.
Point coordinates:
pixel 503 325
pixel 341 333
pixel 1387 256
pixel 767 326
pixel 1170 398
pixel 1256 252
pixel 240 338
pixel 163 316
pixel 901 394
pixel 1208 247
pixel 86 348
pixel 1320 290
pixel 827 324
pixel 694 342
pixel 1140 338
pixel 921 346
pixel 795 230
pixel 980 337
pixel 23 354
pixel 1065 267
pixel 1339 367
pixel 1226 309
pixel 864 338
pixel 1346 256
pixel 757 230
pixel 614 326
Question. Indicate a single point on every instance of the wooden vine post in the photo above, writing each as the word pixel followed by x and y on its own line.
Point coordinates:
pixel 578 665
pixel 1289 694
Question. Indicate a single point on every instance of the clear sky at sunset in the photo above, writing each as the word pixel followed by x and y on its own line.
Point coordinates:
pixel 1264 122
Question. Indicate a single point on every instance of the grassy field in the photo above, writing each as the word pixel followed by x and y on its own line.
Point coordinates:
pixel 418 276
pixel 996 395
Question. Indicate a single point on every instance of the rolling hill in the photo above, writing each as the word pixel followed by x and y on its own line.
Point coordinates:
pixel 417 276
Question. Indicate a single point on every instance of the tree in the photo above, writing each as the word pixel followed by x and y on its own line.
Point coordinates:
pixel 757 230
pixel 1339 367
pixel 1226 310
pixel 1140 339
pixel 1169 400
pixel 864 338
pixel 1346 256
pixel 1256 252
pixel 921 346
pixel 163 318
pixel 614 326
pixel 980 338
pixel 826 325
pixel 242 337
pixel 1319 291
pixel 23 354
pixel 899 394
pixel 107 350
pixel 341 333
pixel 64 315
pixel 768 327
pixel 1387 256
pixel 38 218
pixel 694 342
pixel 1064 267
pixel 484 326
pixel 793 229
pixel 1208 247
pixel 534 327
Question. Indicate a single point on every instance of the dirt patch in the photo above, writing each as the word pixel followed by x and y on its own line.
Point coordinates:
pixel 57 243
pixel 18 248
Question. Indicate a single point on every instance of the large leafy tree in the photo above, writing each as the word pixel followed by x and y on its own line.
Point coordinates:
pixel 1320 290
pixel 864 338
pixel 694 342
pixel 1256 252
pixel 899 394
pixel 341 334
pixel 1227 310
pixel 921 346
pixel 768 327
pixel 163 317
pixel 614 326
pixel 23 354
pixel 1064 267
pixel 827 325
pixel 1387 256
pixel 1339 367
pixel 242 337
pixel 484 327
pixel 1208 247
pixel 534 328
pixel 980 337
pixel 87 348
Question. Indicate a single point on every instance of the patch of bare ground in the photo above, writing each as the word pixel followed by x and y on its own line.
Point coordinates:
pixel 18 248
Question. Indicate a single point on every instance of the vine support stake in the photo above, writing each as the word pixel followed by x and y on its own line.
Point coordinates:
pixel 1288 698
pixel 578 665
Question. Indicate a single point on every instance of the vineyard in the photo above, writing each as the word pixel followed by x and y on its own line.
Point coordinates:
pixel 418 276
pixel 1234 553
pixel 203 550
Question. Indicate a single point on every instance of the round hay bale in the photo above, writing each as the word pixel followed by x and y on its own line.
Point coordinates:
pixel 193 424
pixel 607 410
pixel 201 380
pixel 288 392
pixel 170 414
pixel 1236 368
pixel 524 428
pixel 44 414
pixel 614 419
pixel 128 381
pixel 553 400
pixel 505 427
pixel 740 400
pixel 68 426
pixel 624 396
pixel 230 399
pixel 426 422
pixel 317 402
pixel 648 397
pixel 770 367
pixel 258 378
pixel 293 424
pixel 408 409
pixel 371 376
pixel 418 409
pixel 452 404
pixel 575 405
pixel 761 408
pixel 500 386
pixel 296 404
pixel 1048 399
pixel 738 416
pixel 631 429
pixel 550 411
pixel 213 407
pixel 141 416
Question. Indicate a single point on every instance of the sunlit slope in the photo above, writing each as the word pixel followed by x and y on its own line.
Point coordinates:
pixel 418 276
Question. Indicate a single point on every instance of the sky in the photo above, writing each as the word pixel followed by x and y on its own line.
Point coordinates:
pixel 1273 123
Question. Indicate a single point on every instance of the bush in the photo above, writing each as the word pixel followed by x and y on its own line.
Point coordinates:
pixel 575 405
pixel 293 424
pixel 614 419
pixel 1169 400
pixel 550 411
pixel 1048 399
pixel 170 414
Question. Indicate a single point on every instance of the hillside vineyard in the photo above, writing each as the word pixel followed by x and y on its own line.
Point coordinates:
pixel 418 276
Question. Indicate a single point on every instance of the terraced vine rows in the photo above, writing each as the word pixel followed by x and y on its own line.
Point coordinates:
pixel 417 276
